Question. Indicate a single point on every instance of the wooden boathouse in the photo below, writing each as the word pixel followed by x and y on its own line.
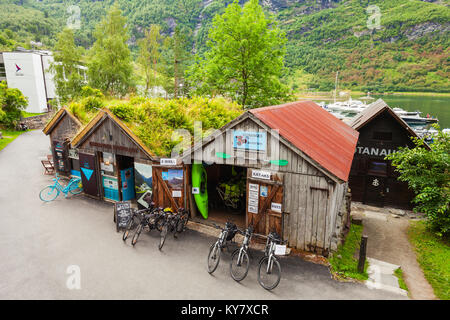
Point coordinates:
pixel 61 129
pixel 296 160
pixel 109 154
pixel 373 180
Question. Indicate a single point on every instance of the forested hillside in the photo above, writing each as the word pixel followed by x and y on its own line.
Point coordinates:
pixel 408 51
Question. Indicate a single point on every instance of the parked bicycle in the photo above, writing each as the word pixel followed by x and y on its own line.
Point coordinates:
pixel 135 220
pixel 150 220
pixel 173 222
pixel 50 193
pixel 269 269
pixel 226 236
pixel 240 261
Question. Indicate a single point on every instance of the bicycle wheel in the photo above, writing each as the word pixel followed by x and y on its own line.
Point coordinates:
pixel 76 187
pixel 239 269
pixel 213 258
pixel 269 278
pixel 163 236
pixel 49 193
pixel 128 228
pixel 181 225
pixel 159 224
pixel 136 234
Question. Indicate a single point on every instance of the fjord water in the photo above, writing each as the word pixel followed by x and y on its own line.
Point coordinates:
pixel 436 106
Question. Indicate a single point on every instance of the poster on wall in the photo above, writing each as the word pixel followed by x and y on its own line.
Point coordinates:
pixel 107 163
pixel 263 191
pixel 175 178
pixel 249 140
pixel 143 183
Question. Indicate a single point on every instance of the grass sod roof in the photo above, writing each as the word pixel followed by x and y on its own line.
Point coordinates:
pixel 152 122
pixel 53 121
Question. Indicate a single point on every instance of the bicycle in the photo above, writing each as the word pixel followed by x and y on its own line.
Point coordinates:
pixel 269 269
pixel 135 220
pixel 49 193
pixel 183 220
pixel 149 220
pixel 227 235
pixel 240 261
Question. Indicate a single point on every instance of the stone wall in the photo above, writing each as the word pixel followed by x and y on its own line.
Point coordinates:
pixel 37 122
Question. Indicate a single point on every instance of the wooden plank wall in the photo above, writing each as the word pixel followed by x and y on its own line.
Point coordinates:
pixel 119 138
pixel 251 159
pixel 308 203
pixel 66 128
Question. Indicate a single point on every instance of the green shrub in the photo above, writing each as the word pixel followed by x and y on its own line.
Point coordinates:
pixel 12 102
pixel 92 103
pixel 87 91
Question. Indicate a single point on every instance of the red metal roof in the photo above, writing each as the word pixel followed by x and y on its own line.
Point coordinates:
pixel 316 132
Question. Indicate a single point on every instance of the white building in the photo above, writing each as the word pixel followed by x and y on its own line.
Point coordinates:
pixel 28 72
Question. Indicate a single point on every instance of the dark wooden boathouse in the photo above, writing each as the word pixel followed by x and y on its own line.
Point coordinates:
pixel 61 129
pixel 373 180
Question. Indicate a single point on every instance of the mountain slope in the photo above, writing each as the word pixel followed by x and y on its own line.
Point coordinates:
pixel 408 52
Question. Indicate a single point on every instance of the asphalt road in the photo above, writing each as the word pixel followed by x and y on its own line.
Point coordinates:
pixel 39 241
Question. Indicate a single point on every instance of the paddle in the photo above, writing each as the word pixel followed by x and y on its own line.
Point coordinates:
pixel 276 162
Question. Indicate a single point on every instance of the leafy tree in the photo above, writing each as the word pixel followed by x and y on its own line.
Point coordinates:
pixel 110 64
pixel 12 102
pixel 245 57
pixel 150 55
pixel 176 59
pixel 427 174
pixel 68 78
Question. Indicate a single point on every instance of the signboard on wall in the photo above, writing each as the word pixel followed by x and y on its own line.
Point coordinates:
pixel 249 140
pixel 73 154
pixel 259 174
pixel 168 162
pixel 275 207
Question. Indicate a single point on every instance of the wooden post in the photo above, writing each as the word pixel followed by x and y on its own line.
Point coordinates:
pixel 362 254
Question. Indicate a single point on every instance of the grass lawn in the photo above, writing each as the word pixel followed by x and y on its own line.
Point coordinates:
pixel 29 114
pixel 433 255
pixel 8 136
pixel 401 281
pixel 343 262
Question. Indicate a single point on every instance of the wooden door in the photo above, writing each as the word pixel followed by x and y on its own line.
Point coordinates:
pixel 89 174
pixel 61 157
pixel 375 190
pixel 265 204
pixel 316 236
pixel 169 186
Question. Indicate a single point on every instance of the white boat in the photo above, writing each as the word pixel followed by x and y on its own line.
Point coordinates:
pixel 354 106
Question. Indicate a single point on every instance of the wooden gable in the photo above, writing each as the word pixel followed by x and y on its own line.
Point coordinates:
pixel 107 135
pixel 62 126
pixel 277 148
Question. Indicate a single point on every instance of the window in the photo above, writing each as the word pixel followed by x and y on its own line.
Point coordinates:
pixel 385 136
pixel 2 70
pixel 377 168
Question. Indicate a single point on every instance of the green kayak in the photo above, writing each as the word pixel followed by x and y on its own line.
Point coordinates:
pixel 199 181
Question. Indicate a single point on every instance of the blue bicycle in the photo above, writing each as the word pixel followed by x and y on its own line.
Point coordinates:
pixel 50 193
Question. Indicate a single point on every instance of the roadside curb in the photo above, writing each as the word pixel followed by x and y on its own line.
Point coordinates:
pixel 381 276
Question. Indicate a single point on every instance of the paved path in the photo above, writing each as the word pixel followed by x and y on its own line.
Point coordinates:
pixel 388 242
pixel 38 241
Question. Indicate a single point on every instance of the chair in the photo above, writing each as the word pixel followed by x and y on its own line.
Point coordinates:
pixel 48 166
